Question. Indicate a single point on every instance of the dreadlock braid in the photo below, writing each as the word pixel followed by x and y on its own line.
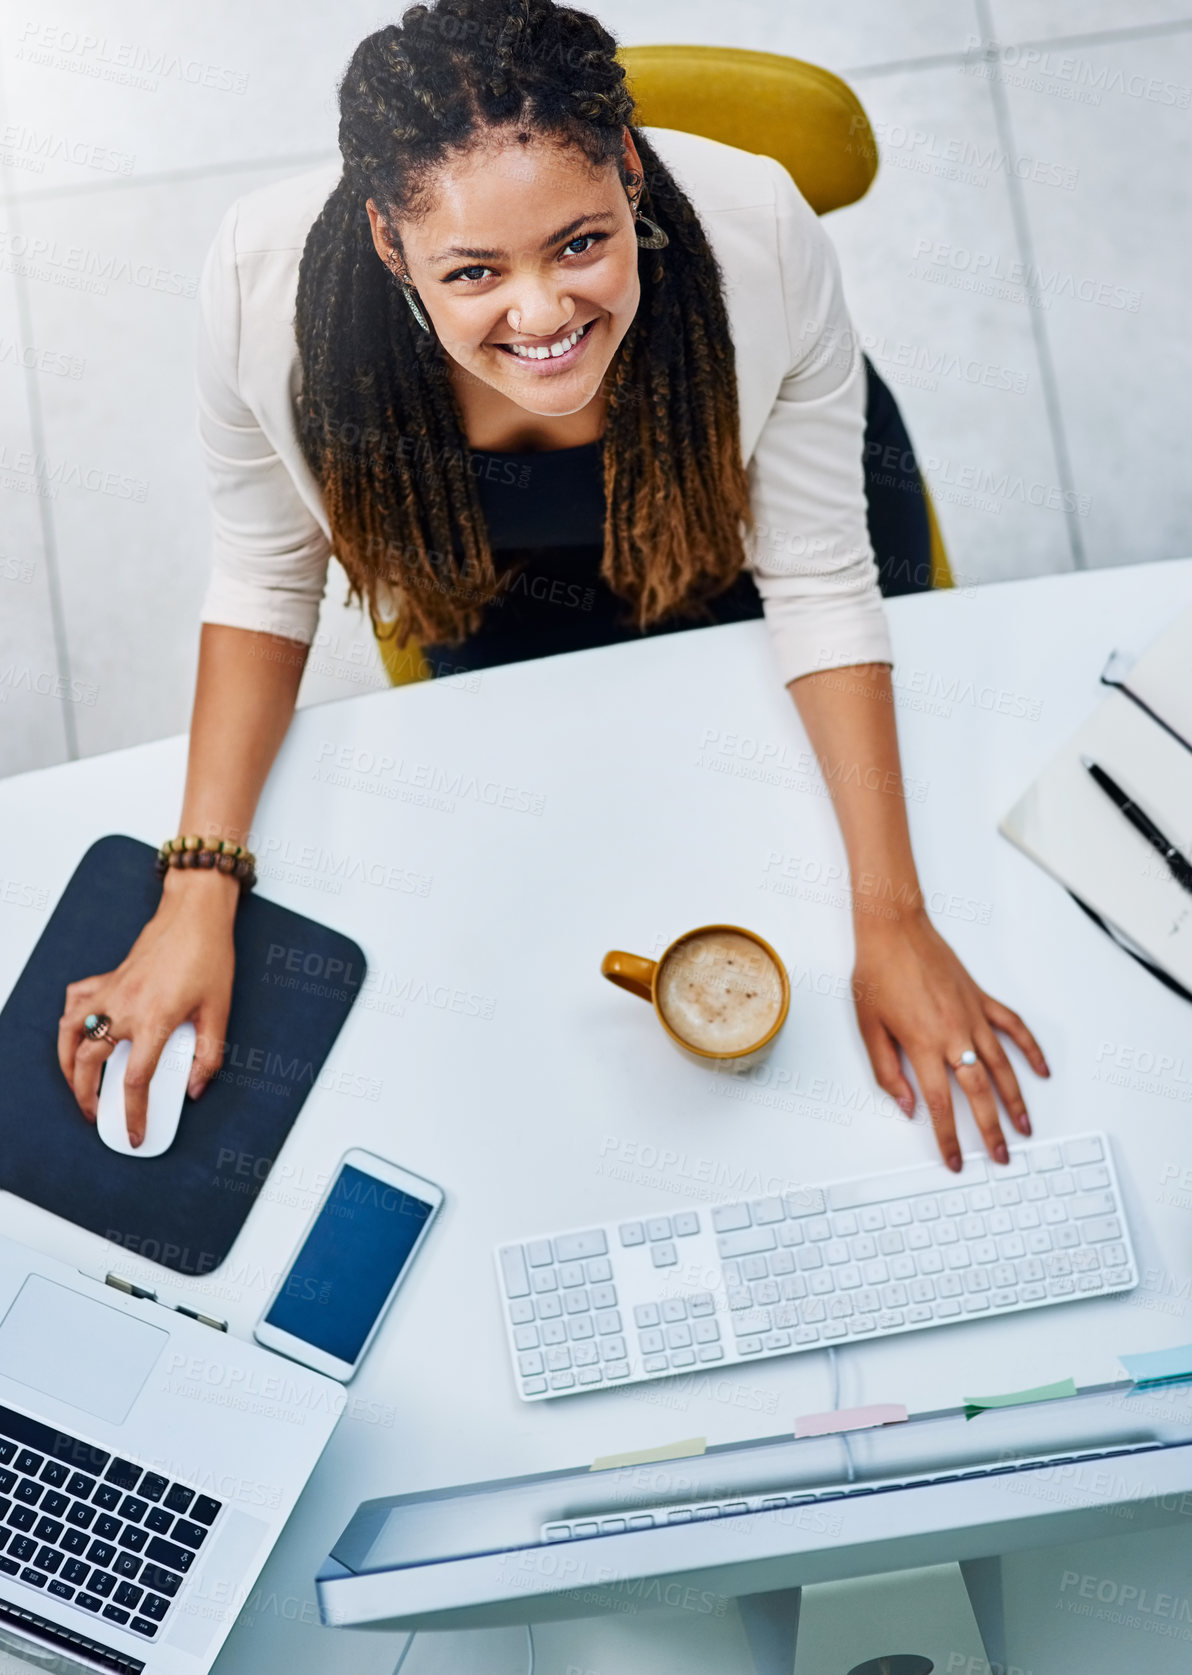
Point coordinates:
pixel 378 421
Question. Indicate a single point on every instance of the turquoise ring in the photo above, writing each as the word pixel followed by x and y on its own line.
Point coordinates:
pixel 97 1026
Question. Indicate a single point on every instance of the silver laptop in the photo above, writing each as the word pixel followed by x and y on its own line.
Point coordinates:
pixel 148 1463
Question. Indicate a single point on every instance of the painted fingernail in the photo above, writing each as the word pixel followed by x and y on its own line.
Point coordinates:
pixel 953 1162
pixel 195 1087
pixel 136 1139
pixel 1000 1152
pixel 906 1105
pixel 1023 1123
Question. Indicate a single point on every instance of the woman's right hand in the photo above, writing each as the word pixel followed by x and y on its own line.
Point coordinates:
pixel 180 968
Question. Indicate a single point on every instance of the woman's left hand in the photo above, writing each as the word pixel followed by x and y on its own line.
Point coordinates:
pixel 912 992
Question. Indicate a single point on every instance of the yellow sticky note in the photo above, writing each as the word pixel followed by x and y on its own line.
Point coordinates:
pixel 650 1456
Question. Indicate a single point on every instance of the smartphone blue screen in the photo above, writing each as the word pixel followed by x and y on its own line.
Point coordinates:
pixel 348 1263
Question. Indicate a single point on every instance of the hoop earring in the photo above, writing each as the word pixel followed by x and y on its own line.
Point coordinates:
pixel 655 239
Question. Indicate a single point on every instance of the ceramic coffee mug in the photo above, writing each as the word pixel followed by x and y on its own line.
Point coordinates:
pixel 720 992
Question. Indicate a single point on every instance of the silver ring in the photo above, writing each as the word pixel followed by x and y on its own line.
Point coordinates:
pixel 968 1057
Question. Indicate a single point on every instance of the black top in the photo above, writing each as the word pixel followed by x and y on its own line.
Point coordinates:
pixel 545 518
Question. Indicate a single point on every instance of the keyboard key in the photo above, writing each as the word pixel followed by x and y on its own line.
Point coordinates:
pixel 544 1279
pixel 141 1625
pixel 609 1321
pixel 584 1354
pixel 48 1529
pixel 728 1218
pixel 573 1247
pixel 604 1296
pixel 521 1313
pixel 664 1254
pixel 553 1332
pixel 49 1559
pixel 106 1527
pixel 88 1602
pixel 571 1274
pixel 576 1302
pixel 632 1233
pixel 524 1337
pixel 37 1578
pixel 678 1337
pixel 74 1541
pixel 101 1583
pixel 1092 1204
pixel 81 1516
pixel 710 1352
pixel 686 1223
pixel 75 1571
pixel 681 1358
pixel 674 1308
pixel 107 1496
pixel 126 1594
pixel 530 1363
pixel 513 1271
pixel 613 1349
pixel 599 1270
pixel 21 1547
pixel 53 1504
pixel 60 1589
pixel 1077 1152
pixel 123 1473
pixel 549 1307
pixel 659 1227
pixel 531 1387
pixel 617 1369
pixel 29 1462
pixel 28 1492
pixel 1101 1230
pixel 746 1243
pixel 768 1209
pixel 646 1314
pixel 115 1613
pixel 153 1486
pixel 155 1606
pixel 162 1581
pixel 1088 1179
pixel 55 1473
pixel 701 1303
pixel 101 1552
pixel 169 1553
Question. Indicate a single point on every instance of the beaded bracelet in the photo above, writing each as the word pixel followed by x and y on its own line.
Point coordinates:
pixel 208 854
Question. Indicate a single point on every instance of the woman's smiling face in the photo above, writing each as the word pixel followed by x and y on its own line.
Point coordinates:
pixel 524 258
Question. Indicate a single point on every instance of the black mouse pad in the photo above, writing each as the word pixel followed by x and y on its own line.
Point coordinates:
pixel 295 985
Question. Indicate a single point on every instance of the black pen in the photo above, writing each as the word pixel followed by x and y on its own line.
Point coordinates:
pixel 1181 869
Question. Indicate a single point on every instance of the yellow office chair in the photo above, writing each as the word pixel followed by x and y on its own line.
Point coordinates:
pixel 807 118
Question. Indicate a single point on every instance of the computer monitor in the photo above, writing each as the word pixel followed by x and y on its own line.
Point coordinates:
pixel 749 1519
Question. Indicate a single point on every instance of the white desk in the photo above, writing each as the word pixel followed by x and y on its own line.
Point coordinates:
pixel 550 1098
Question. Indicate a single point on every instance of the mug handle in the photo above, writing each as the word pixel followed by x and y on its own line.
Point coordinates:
pixel 630 971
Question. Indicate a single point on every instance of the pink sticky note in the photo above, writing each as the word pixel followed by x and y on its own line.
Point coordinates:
pixel 849 1419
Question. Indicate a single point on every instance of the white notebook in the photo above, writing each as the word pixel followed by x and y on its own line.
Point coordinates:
pixel 1066 823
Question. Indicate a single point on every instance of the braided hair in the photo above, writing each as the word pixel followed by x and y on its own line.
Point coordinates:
pixel 378 422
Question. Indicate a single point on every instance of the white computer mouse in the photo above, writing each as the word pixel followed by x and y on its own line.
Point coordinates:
pixel 167 1090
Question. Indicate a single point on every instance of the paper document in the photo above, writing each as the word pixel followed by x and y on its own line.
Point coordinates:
pixel 1066 823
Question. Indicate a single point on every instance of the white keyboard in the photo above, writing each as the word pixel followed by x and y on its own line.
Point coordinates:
pixel 865 1257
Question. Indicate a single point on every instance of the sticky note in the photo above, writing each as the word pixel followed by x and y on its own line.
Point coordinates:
pixel 1159 1366
pixel 650 1456
pixel 1041 1393
pixel 849 1419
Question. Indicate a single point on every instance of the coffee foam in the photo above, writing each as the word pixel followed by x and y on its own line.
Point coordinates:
pixel 720 992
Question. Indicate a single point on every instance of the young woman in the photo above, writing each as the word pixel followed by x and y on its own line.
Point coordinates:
pixel 541 379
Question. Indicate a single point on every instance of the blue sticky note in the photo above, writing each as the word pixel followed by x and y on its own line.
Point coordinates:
pixel 1159 1366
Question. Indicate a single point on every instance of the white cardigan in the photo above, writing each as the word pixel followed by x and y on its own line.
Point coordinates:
pixel 800 389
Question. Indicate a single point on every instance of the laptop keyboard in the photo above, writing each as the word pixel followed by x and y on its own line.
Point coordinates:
pixel 84 1526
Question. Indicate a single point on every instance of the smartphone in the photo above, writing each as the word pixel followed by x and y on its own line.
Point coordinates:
pixel 355 1253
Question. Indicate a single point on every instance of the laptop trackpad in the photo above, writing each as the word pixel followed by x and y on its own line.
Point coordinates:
pixel 77 1350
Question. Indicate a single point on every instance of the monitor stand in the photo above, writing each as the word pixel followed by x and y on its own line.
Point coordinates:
pixel 940 1613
